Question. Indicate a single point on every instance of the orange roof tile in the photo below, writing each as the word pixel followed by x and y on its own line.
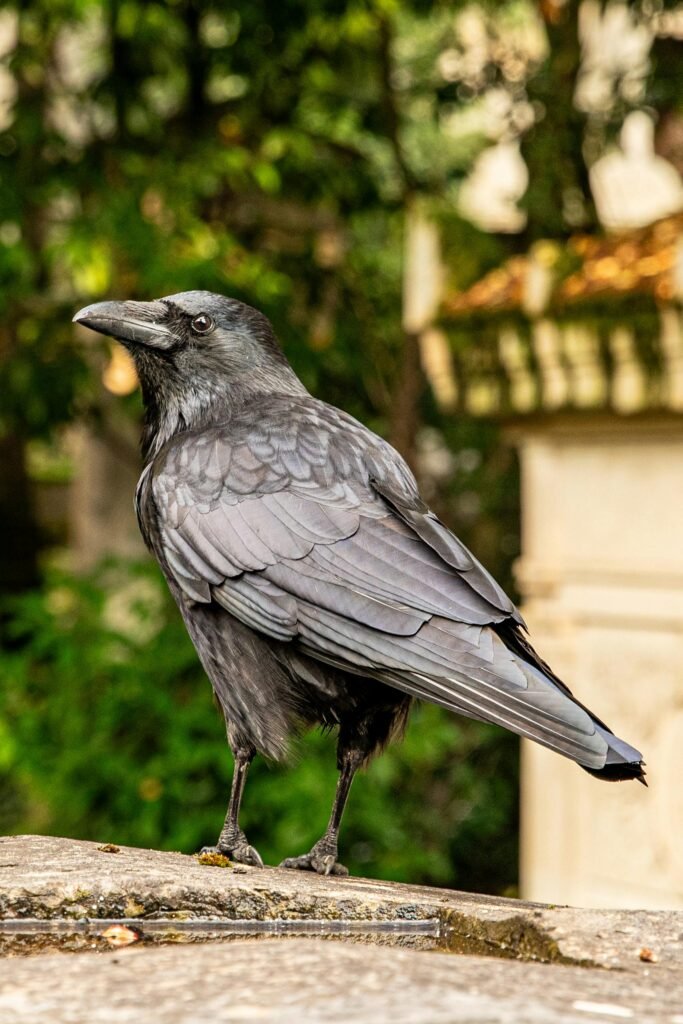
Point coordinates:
pixel 641 261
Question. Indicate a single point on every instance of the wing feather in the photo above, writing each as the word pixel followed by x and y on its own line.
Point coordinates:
pixel 259 604
pixel 412 510
pixel 477 689
pixel 386 559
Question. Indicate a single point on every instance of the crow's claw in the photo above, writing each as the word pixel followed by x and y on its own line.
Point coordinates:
pixel 241 853
pixel 246 854
pixel 323 864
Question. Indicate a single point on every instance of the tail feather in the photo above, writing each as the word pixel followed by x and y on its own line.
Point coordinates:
pixel 624 772
pixel 623 761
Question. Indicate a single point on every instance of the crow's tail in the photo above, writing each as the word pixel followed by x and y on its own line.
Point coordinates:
pixel 623 762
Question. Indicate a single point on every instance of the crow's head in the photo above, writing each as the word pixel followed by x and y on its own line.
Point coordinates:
pixel 194 332
pixel 196 353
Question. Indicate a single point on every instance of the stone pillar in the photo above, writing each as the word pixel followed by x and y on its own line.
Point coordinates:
pixel 601 575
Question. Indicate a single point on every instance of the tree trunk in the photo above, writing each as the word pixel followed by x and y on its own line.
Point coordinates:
pixel 19 537
pixel 558 199
pixel 405 405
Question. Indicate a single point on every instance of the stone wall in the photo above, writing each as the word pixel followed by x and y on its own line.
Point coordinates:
pixel 602 579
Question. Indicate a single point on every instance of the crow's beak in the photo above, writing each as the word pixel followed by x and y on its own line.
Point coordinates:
pixel 133 323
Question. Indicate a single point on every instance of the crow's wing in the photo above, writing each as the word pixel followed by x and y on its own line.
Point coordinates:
pixel 284 483
pixel 309 528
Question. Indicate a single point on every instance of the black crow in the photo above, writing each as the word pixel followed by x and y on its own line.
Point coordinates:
pixel 316 585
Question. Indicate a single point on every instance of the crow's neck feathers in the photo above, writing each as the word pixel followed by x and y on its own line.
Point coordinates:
pixel 174 405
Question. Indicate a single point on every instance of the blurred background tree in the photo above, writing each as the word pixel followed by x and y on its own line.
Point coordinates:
pixel 271 152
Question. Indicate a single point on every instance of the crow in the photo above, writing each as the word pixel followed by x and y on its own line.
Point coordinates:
pixel 317 586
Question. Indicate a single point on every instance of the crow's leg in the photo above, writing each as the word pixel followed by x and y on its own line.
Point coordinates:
pixel 323 857
pixel 232 841
pixel 379 714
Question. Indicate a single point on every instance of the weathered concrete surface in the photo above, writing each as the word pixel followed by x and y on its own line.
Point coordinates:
pixel 46 877
pixel 286 981
pixel 312 979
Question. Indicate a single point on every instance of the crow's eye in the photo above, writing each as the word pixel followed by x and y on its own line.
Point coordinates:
pixel 203 324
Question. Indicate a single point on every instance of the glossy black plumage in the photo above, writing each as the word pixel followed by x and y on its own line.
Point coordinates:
pixel 316 584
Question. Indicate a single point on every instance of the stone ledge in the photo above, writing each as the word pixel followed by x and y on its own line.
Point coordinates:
pixel 595 972
pixel 50 878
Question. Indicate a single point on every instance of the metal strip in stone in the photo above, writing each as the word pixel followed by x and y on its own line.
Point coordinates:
pixel 275 926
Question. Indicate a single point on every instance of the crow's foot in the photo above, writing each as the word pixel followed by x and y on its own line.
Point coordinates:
pixel 241 852
pixel 317 860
